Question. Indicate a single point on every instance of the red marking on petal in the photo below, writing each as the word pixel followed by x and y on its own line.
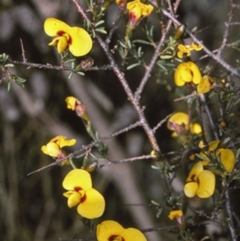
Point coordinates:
pixel 193 176
pixel 60 33
pixel 77 189
pixel 70 40
pixel 84 198
pixel 113 236
pixel 132 18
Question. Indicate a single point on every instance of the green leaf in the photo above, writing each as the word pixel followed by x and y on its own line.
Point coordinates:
pixel 142 42
pixel 8 86
pixel 70 75
pixel 101 30
pixel 80 73
pixel 133 66
pixel 8 65
pixel 99 23
pixel 166 56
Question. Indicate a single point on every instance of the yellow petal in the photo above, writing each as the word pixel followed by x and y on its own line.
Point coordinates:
pixel 206 184
pixel 131 234
pixel 180 54
pixel 175 214
pixel 71 102
pixel 182 74
pixel 179 118
pixel 74 199
pixel 187 72
pixel 68 194
pixel 190 189
pixel 195 128
pixel 213 145
pixel 205 85
pixel 77 178
pixel 195 171
pixel 138 10
pixel 228 159
pixel 54 42
pixel 93 206
pixel 196 75
pixel 51 149
pixel 62 44
pixel 196 47
pixel 146 10
pixel 62 141
pixel 53 27
pixel 81 42
pixel 108 228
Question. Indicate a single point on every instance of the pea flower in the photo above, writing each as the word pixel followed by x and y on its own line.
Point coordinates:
pixel 74 104
pixel 136 11
pixel 185 50
pixel 54 147
pixel 76 39
pixel 175 214
pixel 90 203
pixel 112 231
pixel 200 182
pixel 178 215
pixel 226 156
pixel 179 124
pixel 187 73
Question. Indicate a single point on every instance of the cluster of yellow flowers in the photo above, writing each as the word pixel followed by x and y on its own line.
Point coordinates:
pixel 200 181
pixel 189 73
pixel 88 201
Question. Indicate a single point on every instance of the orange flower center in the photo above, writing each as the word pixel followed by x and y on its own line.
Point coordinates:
pixel 79 189
pixel 115 238
pixel 61 33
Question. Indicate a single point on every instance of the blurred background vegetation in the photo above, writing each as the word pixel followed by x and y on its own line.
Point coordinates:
pixel 32 208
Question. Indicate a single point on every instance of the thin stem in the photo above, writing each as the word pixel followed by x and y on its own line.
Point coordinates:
pixel 229 215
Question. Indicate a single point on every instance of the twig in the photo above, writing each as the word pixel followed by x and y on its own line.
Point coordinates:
pixel 132 159
pixel 115 25
pixel 161 122
pixel 23 52
pixel 226 32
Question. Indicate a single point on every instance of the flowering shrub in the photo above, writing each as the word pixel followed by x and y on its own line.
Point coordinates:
pixel 153 121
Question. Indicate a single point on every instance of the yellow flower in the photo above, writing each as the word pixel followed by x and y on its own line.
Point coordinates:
pixel 226 155
pixel 53 147
pixel 185 50
pixel 76 39
pixel 187 73
pixel 74 104
pixel 178 215
pixel 205 85
pixel 179 123
pixel 90 203
pixel 112 231
pixel 62 141
pixel 138 10
pixel 200 182
pixel 175 214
